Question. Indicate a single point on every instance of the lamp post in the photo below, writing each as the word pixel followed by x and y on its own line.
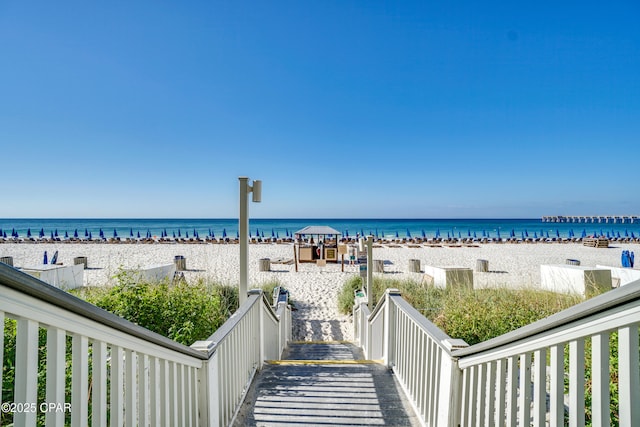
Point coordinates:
pixel 243 228
pixel 370 272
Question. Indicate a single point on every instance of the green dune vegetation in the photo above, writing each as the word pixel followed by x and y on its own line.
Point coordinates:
pixel 468 314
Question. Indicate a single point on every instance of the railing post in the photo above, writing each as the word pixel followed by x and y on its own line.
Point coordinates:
pixel 450 395
pixel 388 343
pixel 260 326
pixel 208 392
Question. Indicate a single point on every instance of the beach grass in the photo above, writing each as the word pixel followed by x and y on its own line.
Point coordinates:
pixel 471 315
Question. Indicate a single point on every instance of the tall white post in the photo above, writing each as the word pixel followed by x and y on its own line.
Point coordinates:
pixel 370 272
pixel 243 230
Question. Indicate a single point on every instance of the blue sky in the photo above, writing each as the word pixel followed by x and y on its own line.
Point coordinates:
pixel 343 108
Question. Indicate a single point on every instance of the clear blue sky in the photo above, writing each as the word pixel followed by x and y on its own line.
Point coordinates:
pixel 343 108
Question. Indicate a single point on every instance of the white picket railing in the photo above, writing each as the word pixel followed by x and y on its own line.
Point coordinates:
pixel 418 352
pixel 123 374
pixel 519 378
pixel 236 351
pixel 516 379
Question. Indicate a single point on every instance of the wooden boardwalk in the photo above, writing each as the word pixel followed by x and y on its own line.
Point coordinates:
pixel 325 384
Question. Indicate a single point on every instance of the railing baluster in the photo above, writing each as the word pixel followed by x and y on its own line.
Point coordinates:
pixel 99 384
pixel 26 368
pixel 556 390
pixel 524 401
pixel 117 386
pixel 629 383
pixel 165 384
pixel 600 379
pixel 155 392
pixel 473 391
pixel 491 394
pixel 130 388
pixel 181 394
pixel 512 390
pixel 501 380
pixel 79 380
pixel 481 399
pixel 56 364
pixel 143 389
pixel 576 383
pixel 540 388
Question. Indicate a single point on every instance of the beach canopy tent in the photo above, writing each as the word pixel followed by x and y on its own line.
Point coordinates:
pixel 317 242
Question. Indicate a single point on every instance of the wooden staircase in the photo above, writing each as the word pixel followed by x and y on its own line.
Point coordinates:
pixel 328 384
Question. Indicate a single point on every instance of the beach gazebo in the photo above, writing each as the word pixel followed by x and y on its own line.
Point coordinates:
pixel 316 242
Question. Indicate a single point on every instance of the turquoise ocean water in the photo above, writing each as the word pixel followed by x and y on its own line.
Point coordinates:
pixel 283 227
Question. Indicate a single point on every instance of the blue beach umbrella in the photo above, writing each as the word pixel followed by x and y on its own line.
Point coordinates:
pixel 224 232
pixel 526 233
pixel 4 234
pixel 66 235
pixel 468 232
pixel 179 233
pixel 557 233
pixel 448 236
pixel 535 235
pixel 474 235
pixel 626 232
pixel 29 233
pixel 408 233
pixel 186 233
pixel 101 234
pixel 513 233
pixel 41 234
pixel 397 235
pixel 90 236
pixel 584 233
pixel 75 233
pixel 424 235
pixel 498 233
pixel 438 233
pixel 484 233
pixel 174 234
pixel 131 232
pixel 382 234
pixel 262 234
pixel 237 234
pixel 52 235
pixel 115 233
pixel 45 261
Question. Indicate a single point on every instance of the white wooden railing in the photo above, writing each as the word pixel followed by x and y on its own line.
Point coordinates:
pixel 517 379
pixel 123 374
pixel 418 352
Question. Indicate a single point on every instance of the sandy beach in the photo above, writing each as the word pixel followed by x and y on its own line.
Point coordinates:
pixel 314 289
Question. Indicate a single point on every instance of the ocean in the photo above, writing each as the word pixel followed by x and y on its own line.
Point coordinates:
pixel 123 227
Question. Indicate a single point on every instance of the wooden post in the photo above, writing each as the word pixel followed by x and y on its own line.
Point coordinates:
pixel 295 256
pixel 482 265
pixel 265 264
pixel 80 260
pixel 378 266
pixel 414 265
pixel 180 262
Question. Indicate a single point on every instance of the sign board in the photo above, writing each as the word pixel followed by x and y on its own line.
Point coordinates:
pixel 342 249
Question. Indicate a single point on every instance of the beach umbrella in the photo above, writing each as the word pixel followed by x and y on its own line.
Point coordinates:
pixel 408 233
pixel 101 234
pixel 484 233
pixel 1 232
pixel 75 233
pixel 29 233
pixel 174 234
pixel 498 233
pixel 149 234
pixel 448 236
pixel 41 234
pixel 631 259
pixel 626 232
pixel 382 234
pixel 195 233
pixel 424 235
pixel 526 233
pixel 273 233
pixel 115 233
pixel 262 235
pixel 56 233
pixel 237 234
pixel 44 261
pixel 608 235
pixel 131 232
pixel 90 236
pixel 474 235
pixel 397 236
pixel 4 234
pixel 66 235
pixel 557 233
pixel 618 234
pixel 52 235
pixel 438 233
pixel 522 234
pixel 179 233
pixel 13 232
pixel 633 235
pixel 186 233
pixel 468 232
pixel 513 233
pixel 224 232
pixel 584 233
pixel 535 235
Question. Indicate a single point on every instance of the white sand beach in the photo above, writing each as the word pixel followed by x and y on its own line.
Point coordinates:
pixel 315 289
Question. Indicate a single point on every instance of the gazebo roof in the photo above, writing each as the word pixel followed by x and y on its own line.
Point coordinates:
pixel 318 229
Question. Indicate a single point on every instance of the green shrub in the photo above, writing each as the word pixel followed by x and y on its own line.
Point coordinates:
pixel 183 312
pixel 346 297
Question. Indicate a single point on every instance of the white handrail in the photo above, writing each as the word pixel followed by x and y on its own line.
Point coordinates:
pixel 507 381
pixel 145 362
pixel 147 379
